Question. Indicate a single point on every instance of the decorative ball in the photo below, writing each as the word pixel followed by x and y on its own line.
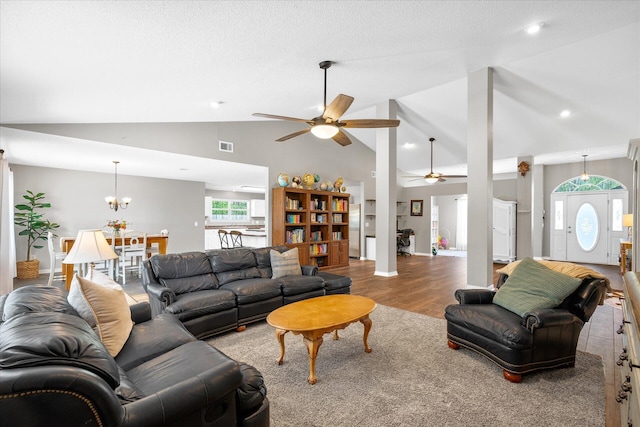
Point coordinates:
pixel 316 178
pixel 283 179
pixel 296 180
pixel 338 184
pixel 323 186
pixel 307 181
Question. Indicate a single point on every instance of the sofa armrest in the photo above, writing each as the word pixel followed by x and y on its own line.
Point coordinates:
pixel 309 270
pixel 140 312
pixel 547 318
pixel 30 395
pixel 193 396
pixel 474 296
pixel 161 293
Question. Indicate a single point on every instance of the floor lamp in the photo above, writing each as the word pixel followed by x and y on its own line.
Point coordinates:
pixel 627 221
pixel 90 246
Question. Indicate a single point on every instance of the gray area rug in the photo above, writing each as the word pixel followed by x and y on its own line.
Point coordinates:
pixel 411 379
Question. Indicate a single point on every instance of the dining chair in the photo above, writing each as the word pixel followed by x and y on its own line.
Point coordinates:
pixel 224 239
pixel 133 250
pixel 54 257
pixel 236 238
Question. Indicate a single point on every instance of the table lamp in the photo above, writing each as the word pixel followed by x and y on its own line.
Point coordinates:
pixel 627 221
pixel 90 246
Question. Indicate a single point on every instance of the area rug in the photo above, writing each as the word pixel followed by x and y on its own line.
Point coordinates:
pixel 411 378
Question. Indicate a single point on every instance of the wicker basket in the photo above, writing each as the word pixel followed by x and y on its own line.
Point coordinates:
pixel 28 269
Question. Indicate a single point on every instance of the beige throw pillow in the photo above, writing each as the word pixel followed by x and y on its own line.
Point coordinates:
pixel 285 264
pixel 111 312
pixel 78 300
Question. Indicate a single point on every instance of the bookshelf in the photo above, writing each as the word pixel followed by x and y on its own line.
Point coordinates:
pixel 316 222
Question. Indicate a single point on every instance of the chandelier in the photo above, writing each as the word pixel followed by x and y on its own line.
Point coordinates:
pixel 585 175
pixel 113 200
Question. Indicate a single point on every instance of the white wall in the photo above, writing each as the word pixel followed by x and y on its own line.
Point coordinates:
pixel 77 202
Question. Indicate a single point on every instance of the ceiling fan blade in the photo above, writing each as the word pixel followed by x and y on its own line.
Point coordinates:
pixel 272 116
pixel 455 176
pixel 337 107
pixel 293 135
pixel 342 139
pixel 370 123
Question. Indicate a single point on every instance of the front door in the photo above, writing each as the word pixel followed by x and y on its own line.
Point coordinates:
pixel 587 228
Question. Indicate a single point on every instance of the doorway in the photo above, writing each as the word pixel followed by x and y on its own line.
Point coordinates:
pixel 586 225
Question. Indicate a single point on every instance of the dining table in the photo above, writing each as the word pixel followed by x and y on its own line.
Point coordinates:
pixel 161 240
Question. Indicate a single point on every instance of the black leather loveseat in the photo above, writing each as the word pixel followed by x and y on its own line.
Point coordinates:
pixel 55 371
pixel 541 338
pixel 221 290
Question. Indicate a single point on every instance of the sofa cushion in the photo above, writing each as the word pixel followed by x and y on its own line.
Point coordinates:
pixel 233 264
pixel 201 303
pixel 40 339
pixel 252 391
pixel 294 285
pixel 185 272
pixel 263 259
pixel 493 322
pixel 333 282
pixel 254 290
pixel 188 362
pixel 111 311
pixel 152 338
pixel 531 286
pixel 127 391
pixel 285 264
pixel 36 299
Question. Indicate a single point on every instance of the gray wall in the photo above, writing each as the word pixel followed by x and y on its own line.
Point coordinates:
pixel 77 202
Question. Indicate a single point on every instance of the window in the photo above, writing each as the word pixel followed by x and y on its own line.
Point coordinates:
pixel 229 210
pixel 594 183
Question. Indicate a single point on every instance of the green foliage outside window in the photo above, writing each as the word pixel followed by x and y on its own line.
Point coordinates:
pixel 594 183
pixel 229 210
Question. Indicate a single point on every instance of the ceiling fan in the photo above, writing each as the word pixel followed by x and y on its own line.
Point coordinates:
pixel 328 125
pixel 433 177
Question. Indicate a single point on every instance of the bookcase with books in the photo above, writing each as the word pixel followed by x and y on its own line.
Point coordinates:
pixel 314 221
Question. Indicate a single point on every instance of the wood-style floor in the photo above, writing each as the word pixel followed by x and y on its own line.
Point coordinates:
pixel 426 285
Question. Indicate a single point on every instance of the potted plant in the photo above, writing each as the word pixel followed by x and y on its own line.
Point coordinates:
pixel 35 227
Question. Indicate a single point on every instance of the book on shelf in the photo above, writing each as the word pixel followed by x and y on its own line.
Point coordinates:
pixel 318 249
pixel 292 204
pixel 295 236
pixel 319 205
pixel 336 235
pixel 340 205
pixel 294 219
pixel 316 236
pixel 337 217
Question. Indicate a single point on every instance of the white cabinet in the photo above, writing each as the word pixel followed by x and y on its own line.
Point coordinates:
pixel 434 226
pixel 504 230
pixel 257 208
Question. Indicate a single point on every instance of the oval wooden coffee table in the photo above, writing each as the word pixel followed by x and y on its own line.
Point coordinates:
pixel 312 318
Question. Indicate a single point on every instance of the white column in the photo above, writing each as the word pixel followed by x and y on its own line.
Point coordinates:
pixel 480 181
pixel 524 186
pixel 386 192
pixel 537 211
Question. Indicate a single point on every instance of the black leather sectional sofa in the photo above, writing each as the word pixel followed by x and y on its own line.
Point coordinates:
pixel 55 371
pixel 221 290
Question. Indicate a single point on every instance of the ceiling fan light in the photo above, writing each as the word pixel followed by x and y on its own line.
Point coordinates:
pixel 324 131
pixel 431 180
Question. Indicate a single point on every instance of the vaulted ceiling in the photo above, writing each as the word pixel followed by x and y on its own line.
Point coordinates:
pixel 167 61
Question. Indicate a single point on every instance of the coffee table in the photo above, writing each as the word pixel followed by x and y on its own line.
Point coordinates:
pixel 314 317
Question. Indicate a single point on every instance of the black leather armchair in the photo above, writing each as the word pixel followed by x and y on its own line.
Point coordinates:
pixel 541 339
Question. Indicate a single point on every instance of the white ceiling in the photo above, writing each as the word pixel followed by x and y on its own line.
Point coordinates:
pixel 166 61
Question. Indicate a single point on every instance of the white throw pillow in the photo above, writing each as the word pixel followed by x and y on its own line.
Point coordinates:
pixel 109 309
pixel 285 264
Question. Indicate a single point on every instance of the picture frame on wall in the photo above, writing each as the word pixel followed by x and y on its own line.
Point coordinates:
pixel 416 208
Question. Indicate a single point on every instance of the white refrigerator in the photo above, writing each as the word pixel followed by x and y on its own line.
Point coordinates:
pixel 354 231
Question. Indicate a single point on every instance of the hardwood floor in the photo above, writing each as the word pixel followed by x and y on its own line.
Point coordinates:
pixel 426 285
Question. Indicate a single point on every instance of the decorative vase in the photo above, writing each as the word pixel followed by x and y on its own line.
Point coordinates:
pixel 28 269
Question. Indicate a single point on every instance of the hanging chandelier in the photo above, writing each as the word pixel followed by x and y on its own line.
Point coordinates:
pixel 113 201
pixel 585 175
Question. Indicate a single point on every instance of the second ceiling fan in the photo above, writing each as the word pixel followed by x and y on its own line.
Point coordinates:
pixel 433 177
pixel 328 125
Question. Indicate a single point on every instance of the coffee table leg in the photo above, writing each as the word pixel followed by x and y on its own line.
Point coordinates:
pixel 367 327
pixel 280 337
pixel 313 344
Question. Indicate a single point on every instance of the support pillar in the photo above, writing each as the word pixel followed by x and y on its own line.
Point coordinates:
pixel 480 181
pixel 386 192
pixel 524 198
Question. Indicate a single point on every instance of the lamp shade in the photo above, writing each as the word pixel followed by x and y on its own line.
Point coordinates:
pixel 627 220
pixel 324 131
pixel 89 246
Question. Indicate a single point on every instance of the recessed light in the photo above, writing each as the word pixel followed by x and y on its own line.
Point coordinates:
pixel 535 28
pixel 216 104
pixel 565 113
pixel 408 144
